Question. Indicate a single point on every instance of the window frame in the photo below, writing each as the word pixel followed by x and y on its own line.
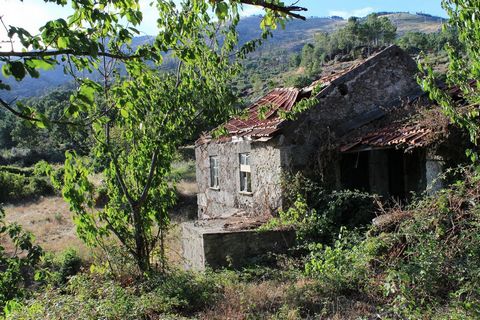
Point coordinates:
pixel 245 173
pixel 214 174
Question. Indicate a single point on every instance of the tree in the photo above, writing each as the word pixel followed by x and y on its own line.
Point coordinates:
pixel 377 31
pixel 414 41
pixel 138 118
pixel 49 144
pixel 463 70
pixel 349 36
pixel 371 32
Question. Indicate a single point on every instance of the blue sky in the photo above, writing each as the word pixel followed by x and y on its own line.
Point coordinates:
pixel 31 14
pixel 360 7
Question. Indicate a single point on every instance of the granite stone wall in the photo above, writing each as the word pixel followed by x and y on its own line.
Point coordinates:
pixel 227 200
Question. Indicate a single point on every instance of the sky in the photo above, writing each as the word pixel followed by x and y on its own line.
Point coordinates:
pixel 348 8
pixel 31 14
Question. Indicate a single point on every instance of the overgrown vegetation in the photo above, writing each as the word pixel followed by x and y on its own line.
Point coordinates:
pixel 318 214
pixel 24 144
pixel 24 184
pixel 17 267
pixel 423 265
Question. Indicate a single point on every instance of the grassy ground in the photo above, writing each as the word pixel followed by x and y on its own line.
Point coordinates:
pixel 50 220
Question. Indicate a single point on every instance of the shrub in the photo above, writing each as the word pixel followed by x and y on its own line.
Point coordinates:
pixel 318 214
pixel 299 81
pixel 96 296
pixel 426 266
pixel 17 187
pixel 18 170
pixel 15 265
pixel 20 184
pixel 433 257
pixel 342 266
pixel 70 264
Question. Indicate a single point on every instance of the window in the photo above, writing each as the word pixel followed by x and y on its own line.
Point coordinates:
pixel 245 173
pixel 214 172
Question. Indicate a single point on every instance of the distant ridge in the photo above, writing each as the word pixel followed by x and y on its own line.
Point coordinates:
pixel 290 40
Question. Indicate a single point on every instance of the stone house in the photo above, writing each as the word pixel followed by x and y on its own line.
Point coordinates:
pixel 343 137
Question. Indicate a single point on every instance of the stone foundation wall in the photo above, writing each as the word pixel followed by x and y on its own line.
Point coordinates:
pixel 205 246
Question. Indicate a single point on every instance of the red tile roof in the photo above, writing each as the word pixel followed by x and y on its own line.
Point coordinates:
pixel 407 137
pixel 262 118
pixel 258 123
pixel 266 123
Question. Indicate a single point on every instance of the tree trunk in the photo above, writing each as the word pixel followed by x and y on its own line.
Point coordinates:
pixel 142 256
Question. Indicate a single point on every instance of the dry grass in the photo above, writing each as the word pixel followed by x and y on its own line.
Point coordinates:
pixel 247 300
pixel 287 299
pixel 50 220
pixel 185 187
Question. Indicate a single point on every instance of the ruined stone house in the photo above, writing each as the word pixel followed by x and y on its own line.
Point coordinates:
pixel 340 138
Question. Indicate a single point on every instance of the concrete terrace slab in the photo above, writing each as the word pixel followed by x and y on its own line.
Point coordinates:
pixel 235 243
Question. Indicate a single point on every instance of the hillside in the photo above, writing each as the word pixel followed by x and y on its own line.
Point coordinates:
pixel 275 51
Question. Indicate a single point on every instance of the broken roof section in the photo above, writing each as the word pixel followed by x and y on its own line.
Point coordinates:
pixel 263 119
pixel 394 136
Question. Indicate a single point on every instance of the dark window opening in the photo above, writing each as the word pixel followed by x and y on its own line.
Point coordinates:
pixel 388 172
pixel 354 171
pixel 396 174
pixel 343 89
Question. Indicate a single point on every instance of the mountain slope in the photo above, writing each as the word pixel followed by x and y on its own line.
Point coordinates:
pixel 283 43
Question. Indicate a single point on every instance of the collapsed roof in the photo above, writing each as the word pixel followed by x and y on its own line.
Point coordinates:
pixel 393 136
pixel 263 119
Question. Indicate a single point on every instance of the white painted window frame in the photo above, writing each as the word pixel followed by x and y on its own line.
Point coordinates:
pixel 214 172
pixel 245 173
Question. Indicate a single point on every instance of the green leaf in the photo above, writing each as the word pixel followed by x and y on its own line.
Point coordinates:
pixel 87 92
pixel 4 86
pixel 7 70
pixel 18 70
pixel 124 113
pixel 62 42
pixel 43 64
pixel 221 10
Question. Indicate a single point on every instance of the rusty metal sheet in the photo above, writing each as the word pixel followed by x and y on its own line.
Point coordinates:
pixel 393 136
pixel 255 125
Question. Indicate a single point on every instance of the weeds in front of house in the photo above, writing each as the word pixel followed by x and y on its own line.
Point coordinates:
pixel 424 265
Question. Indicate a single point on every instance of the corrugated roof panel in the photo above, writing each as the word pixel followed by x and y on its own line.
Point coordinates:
pixel 393 136
pixel 255 125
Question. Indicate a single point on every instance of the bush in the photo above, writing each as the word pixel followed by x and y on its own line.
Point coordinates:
pixel 95 296
pixel 16 266
pixel 17 187
pixel 299 81
pixel 426 267
pixel 18 170
pixel 19 184
pixel 70 264
pixel 318 214
pixel 342 267
pixel 433 257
